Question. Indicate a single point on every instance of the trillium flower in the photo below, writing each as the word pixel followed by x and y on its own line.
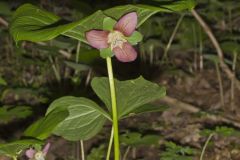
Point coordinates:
pixel 117 37
pixel 33 154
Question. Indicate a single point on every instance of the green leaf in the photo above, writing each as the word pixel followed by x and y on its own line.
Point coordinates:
pixel 147 108
pixel 97 153
pixel 131 94
pixel 88 56
pixel 32 23
pixel 43 128
pixel 8 114
pixel 136 139
pixel 135 38
pixel 5 9
pixel 14 149
pixel 108 23
pixel 176 152
pixel 215 58
pixel 85 118
pixel 231 47
pixel 177 5
pixel 146 11
pixel 106 52
pixel 2 81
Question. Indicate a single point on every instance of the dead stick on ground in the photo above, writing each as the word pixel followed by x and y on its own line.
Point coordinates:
pixel 215 43
pixel 173 102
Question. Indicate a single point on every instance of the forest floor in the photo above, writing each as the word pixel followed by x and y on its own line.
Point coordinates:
pixel 194 107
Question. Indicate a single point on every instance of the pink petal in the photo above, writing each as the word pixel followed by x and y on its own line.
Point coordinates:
pixel 125 54
pixel 45 149
pixel 97 39
pixel 30 153
pixel 127 24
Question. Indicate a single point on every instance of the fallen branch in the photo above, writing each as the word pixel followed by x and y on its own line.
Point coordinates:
pixel 173 102
pixel 215 43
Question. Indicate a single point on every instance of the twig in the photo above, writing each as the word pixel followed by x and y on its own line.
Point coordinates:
pixel 185 106
pixel 215 43
pixel 220 84
pixel 172 37
pixel 233 81
pixel 126 153
pixel 61 51
pixel 205 146
pixel 193 109
pixel 82 150
pixel 3 22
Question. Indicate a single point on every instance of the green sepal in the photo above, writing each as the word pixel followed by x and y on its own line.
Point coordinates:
pixel 106 52
pixel 108 23
pixel 135 38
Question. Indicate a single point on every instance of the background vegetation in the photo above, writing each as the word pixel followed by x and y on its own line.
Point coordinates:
pixel 195 54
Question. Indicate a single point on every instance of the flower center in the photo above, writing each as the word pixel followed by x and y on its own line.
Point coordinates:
pixel 39 156
pixel 116 39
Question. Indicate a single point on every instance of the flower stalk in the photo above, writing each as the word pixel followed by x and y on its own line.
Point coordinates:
pixel 114 109
pixel 110 145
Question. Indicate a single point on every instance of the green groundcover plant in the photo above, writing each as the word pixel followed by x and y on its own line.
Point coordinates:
pixel 114 33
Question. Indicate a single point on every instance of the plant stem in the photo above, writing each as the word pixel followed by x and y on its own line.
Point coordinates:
pixel 55 69
pixel 114 109
pixel 220 84
pixel 215 43
pixel 82 150
pixel 195 64
pixel 134 153
pixel 200 51
pixel 172 37
pixel 233 80
pixel 78 52
pixel 110 145
pixel 126 153
pixel 205 146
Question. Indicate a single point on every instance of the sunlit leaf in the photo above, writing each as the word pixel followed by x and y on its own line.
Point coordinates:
pixel 131 94
pixel 34 24
pixel 84 121
pixel 43 128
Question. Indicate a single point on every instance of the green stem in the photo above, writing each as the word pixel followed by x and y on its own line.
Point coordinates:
pixel 205 146
pixel 110 145
pixel 114 109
